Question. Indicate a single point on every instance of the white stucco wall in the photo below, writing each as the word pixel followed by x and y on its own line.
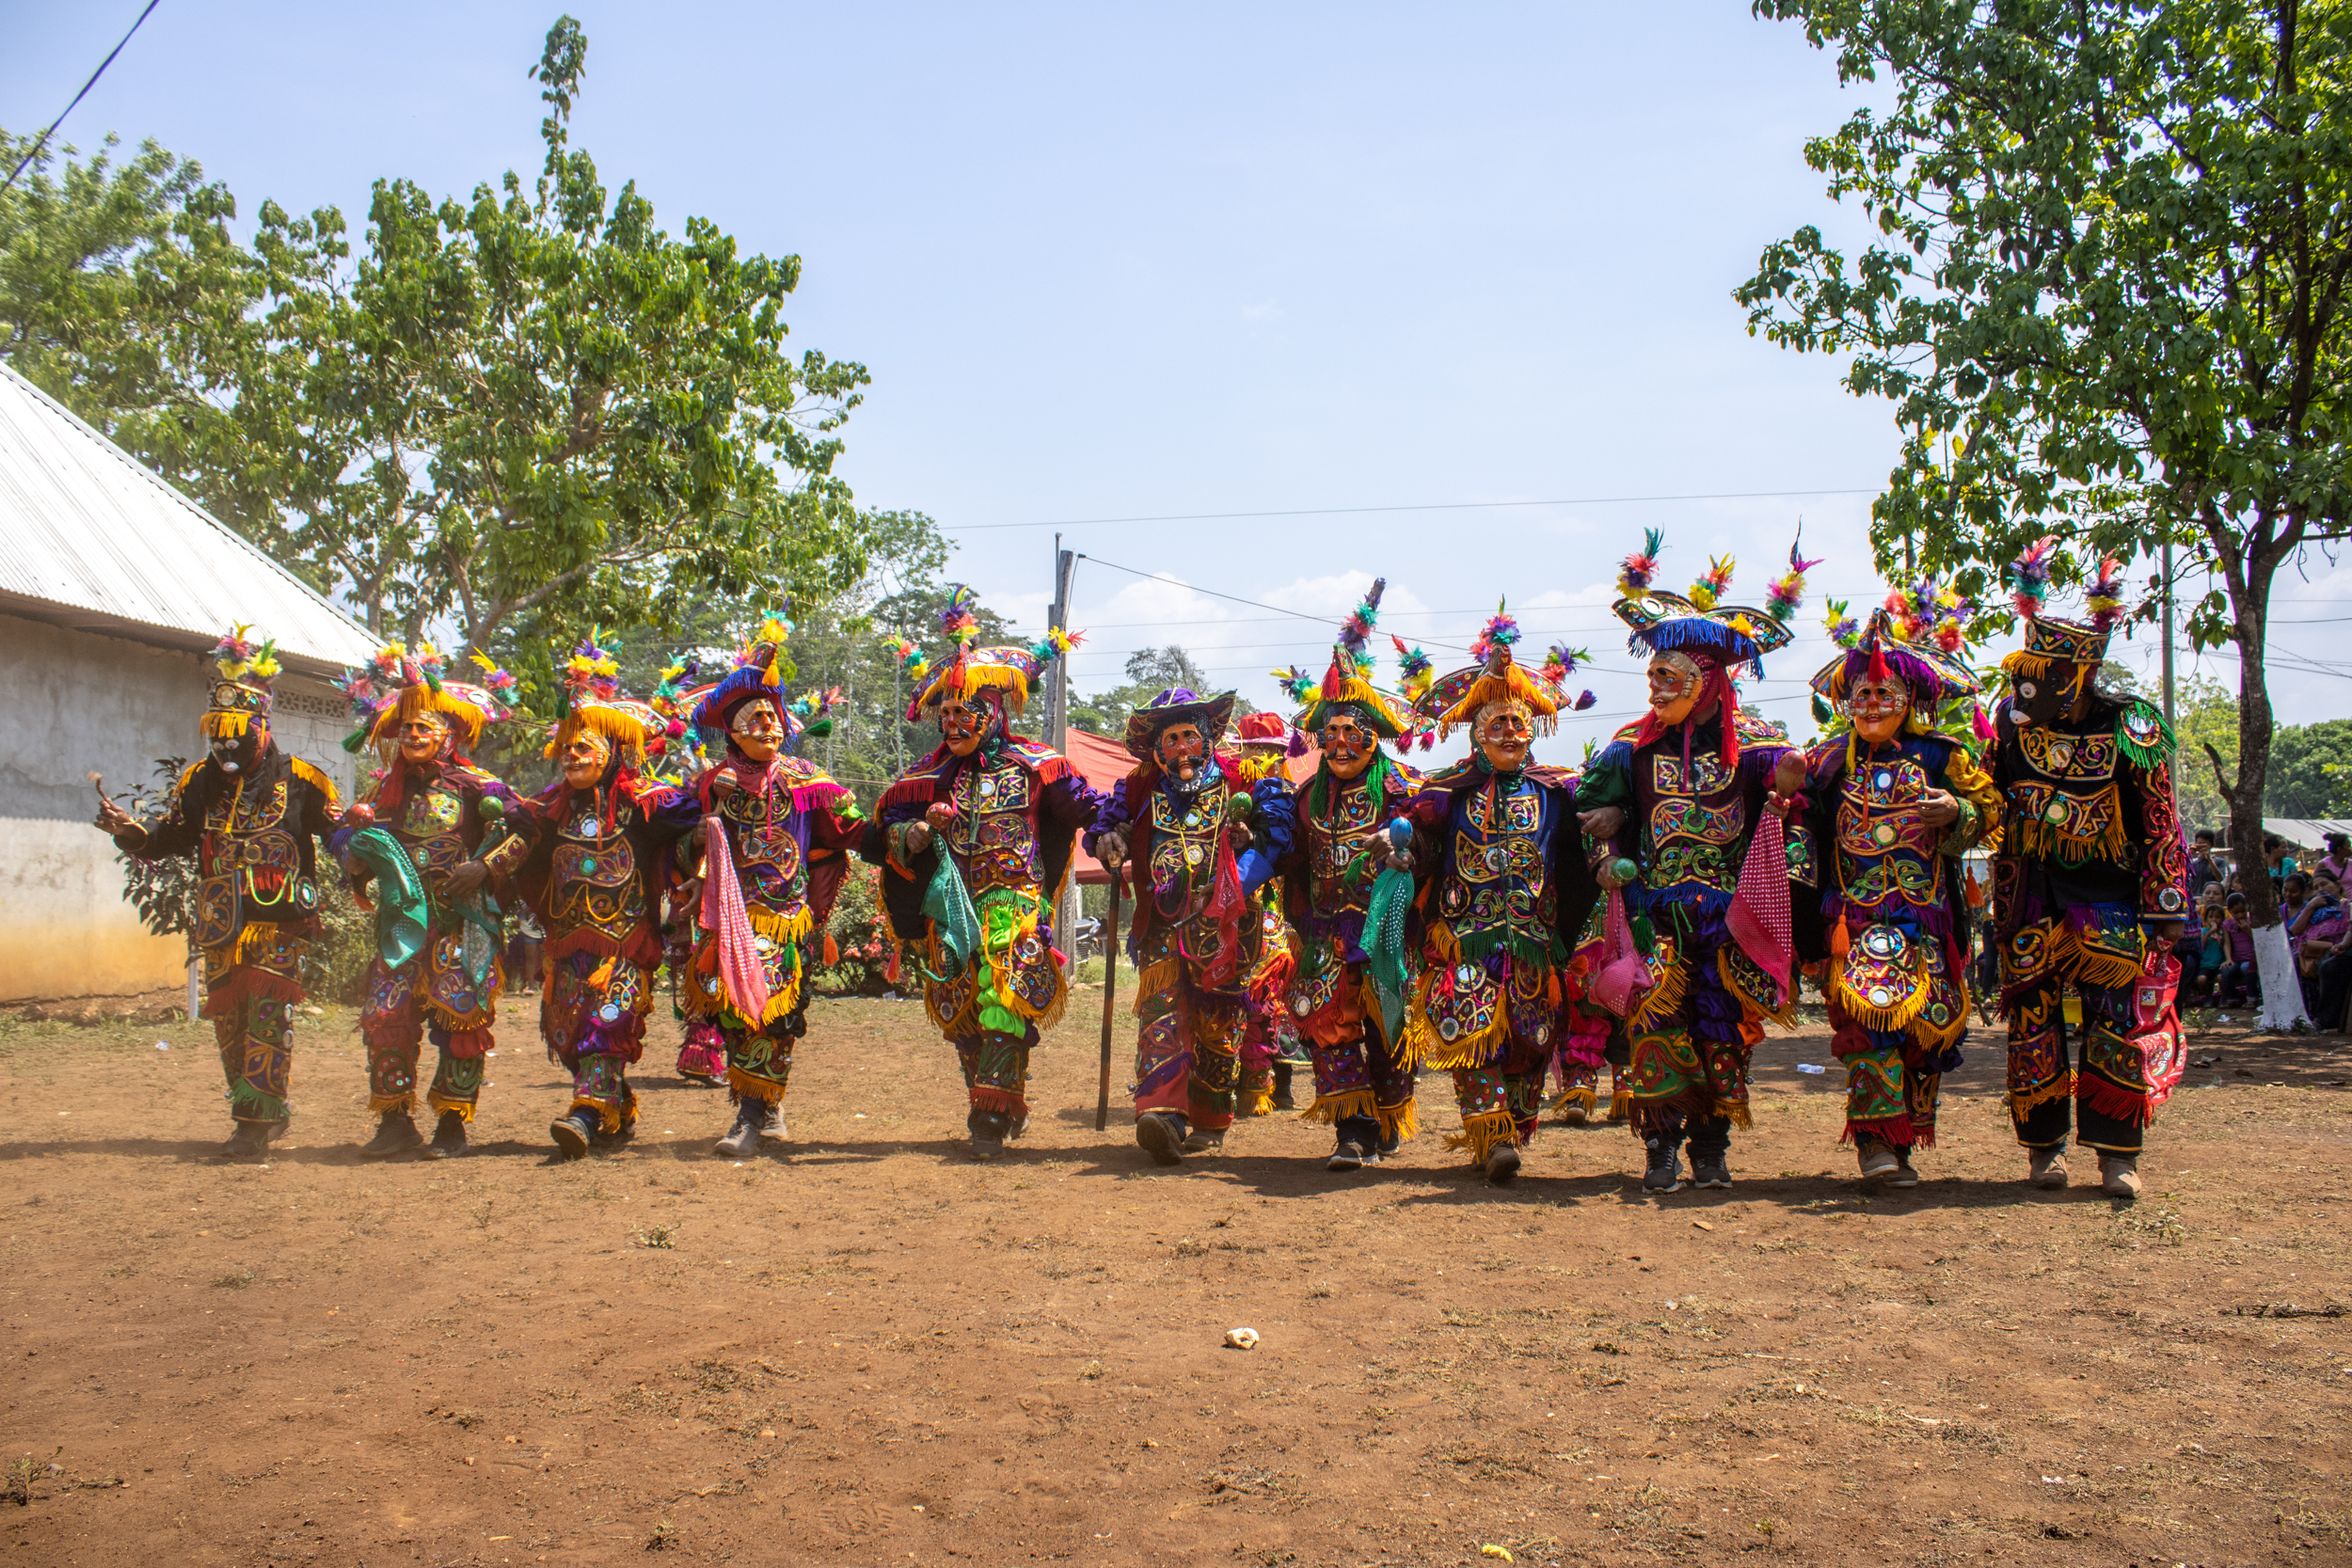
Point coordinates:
pixel 71 703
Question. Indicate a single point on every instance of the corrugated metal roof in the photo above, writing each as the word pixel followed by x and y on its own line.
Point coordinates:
pixel 90 539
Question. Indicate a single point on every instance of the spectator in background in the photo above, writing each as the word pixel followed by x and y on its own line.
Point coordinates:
pixel 2204 867
pixel 2317 931
pixel 2212 949
pixel 2295 892
pixel 2337 861
pixel 2277 858
pixel 2238 981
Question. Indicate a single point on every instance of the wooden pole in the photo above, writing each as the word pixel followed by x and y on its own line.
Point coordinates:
pixel 1110 995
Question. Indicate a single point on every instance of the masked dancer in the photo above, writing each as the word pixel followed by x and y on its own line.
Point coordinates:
pixel 593 875
pixel 1271 1050
pixel 2090 887
pixel 1895 788
pixel 701 1052
pixel 1510 889
pixel 974 844
pixel 1712 879
pixel 427 841
pixel 1196 938
pixel 1339 849
pixel 775 832
pixel 249 814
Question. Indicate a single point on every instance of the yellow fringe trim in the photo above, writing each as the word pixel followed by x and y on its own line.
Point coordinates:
pixel 463 1107
pixel 404 1103
pixel 1483 1133
pixel 2061 1087
pixel 1329 1109
pixel 781 928
pixel 1664 995
pixel 749 1087
pixel 1401 1122
pixel 1897 1015
pixel 1469 1050
pixel 1153 980
pixel 1785 1015
pixel 1585 1097
pixel 241 947
pixel 226 724
pixel 1261 1103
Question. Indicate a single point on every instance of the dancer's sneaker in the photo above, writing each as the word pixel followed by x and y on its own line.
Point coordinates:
pixel 989 1129
pixel 449 1138
pixel 742 1141
pixel 1710 1170
pixel 1665 1169
pixel 1204 1141
pixel 2119 1175
pixel 249 1144
pixel 1503 1165
pixel 1904 1175
pixel 1878 1161
pixel 575 1131
pixel 2046 1167
pixel 1351 1155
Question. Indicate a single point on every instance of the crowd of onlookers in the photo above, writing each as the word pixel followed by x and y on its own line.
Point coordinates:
pixel 2216 946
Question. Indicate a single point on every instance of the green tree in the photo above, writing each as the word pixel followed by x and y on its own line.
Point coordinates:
pixel 1150 671
pixel 125 297
pixel 2311 770
pixel 2204 715
pixel 2110 268
pixel 535 412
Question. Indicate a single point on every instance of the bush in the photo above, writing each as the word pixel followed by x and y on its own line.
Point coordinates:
pixel 859 937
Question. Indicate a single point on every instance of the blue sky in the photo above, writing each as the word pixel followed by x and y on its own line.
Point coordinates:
pixel 1118 262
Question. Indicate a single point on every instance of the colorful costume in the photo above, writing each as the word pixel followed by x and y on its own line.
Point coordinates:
pixel 1339 848
pixel 1722 883
pixel 248 813
pixel 975 845
pixel 1196 938
pixel 701 1052
pixel 2091 857
pixel 1271 1049
pixel 1509 889
pixel 593 875
pixel 429 816
pixel 776 830
pixel 1895 894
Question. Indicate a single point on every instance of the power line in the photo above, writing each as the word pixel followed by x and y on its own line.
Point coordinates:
pixel 42 141
pixel 1425 506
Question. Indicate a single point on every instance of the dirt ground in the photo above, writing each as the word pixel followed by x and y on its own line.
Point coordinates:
pixel 872 1352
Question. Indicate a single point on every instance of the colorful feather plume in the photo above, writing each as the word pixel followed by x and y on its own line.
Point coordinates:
pixel 1055 643
pixel 1709 591
pixel 1844 629
pixel 1499 633
pixel 1585 700
pixel 1415 671
pixel 493 678
pixel 1634 575
pixel 591 670
pixel 2029 575
pixel 1297 683
pixel 2104 599
pixel 1355 631
pixel 957 620
pixel 1787 592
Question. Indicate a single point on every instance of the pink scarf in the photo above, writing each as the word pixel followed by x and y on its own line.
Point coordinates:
pixel 1759 918
pixel 740 969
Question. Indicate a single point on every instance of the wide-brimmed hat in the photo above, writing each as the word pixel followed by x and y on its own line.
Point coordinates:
pixel 1178 705
pixel 243 684
pixel 401 683
pixel 1700 623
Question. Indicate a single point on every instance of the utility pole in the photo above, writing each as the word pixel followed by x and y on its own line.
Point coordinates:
pixel 1058 721
pixel 2168 633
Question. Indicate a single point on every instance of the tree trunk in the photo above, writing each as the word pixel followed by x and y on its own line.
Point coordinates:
pixel 2250 593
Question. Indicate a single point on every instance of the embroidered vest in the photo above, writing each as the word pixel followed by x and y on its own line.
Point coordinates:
pixel 595 880
pixel 1886 852
pixel 994 836
pixel 765 839
pixel 250 856
pixel 1494 878
pixel 1186 832
pixel 1693 819
pixel 1347 828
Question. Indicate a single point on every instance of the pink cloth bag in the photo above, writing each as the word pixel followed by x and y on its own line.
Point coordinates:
pixel 740 969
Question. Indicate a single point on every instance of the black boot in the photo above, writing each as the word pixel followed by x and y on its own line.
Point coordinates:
pixel 449 1138
pixel 1161 1135
pixel 989 1129
pixel 575 1131
pixel 395 1134
pixel 1502 1165
pixel 249 1144
pixel 1282 1100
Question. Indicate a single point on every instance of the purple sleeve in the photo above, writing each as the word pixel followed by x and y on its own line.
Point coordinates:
pixel 1111 810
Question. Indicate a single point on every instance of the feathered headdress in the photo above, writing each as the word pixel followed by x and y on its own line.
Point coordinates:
pixel 1731 635
pixel 1413 670
pixel 969 669
pixel 2068 653
pixel 1496 678
pixel 595 704
pixel 1346 685
pixel 243 684
pixel 760 669
pixel 1559 664
pixel 1634 575
pixel 400 683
